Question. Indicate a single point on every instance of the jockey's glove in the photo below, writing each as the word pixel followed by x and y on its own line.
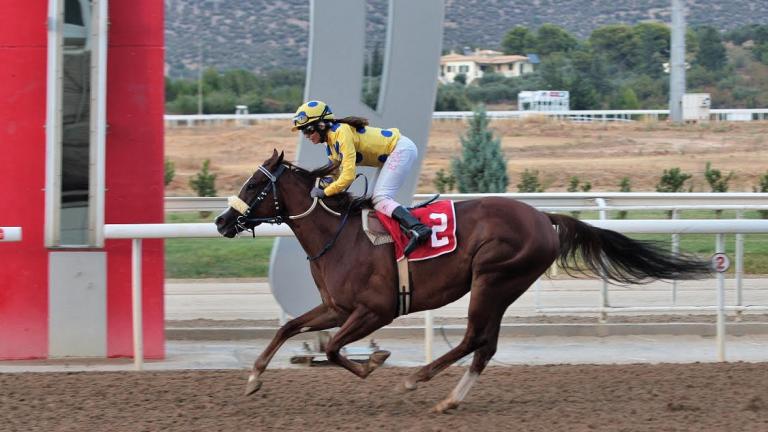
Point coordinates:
pixel 316 192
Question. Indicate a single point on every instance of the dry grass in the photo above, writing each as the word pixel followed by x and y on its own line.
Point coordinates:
pixel 601 153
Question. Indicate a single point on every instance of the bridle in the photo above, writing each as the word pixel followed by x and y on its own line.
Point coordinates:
pixel 245 209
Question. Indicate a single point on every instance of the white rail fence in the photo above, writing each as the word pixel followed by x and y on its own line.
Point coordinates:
pixel 138 232
pixel 563 202
pixel 10 234
pixel 174 120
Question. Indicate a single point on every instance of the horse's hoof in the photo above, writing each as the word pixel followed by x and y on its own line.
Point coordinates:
pixel 379 357
pixel 407 386
pixel 445 406
pixel 253 385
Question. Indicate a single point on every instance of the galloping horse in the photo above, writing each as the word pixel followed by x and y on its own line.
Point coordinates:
pixel 503 247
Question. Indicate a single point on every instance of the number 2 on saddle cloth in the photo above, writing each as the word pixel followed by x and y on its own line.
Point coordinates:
pixel 440 216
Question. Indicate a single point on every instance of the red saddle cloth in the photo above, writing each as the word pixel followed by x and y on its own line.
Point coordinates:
pixel 441 217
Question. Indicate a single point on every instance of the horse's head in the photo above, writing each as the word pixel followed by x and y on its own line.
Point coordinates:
pixel 257 201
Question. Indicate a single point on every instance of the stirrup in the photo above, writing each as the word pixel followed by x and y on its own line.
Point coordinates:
pixel 413 243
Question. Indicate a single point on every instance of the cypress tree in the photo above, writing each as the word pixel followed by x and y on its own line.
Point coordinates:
pixel 481 167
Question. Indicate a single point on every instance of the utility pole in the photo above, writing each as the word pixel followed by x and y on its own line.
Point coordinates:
pixel 199 77
pixel 677 62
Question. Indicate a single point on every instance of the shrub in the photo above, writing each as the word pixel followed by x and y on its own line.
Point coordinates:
pixel 624 186
pixel 170 171
pixel 529 182
pixel 442 182
pixel 204 182
pixel 715 178
pixel 672 180
pixel 763 187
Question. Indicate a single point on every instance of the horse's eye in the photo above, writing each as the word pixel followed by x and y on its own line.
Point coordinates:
pixel 249 186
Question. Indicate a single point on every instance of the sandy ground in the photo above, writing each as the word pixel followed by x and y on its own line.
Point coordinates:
pixel 600 153
pixel 696 397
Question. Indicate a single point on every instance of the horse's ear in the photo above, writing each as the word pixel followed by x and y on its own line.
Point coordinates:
pixel 280 158
pixel 274 154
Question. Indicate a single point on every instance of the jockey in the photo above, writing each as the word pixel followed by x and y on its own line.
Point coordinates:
pixel 350 142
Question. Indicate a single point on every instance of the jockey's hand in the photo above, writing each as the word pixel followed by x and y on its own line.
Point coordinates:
pixel 317 193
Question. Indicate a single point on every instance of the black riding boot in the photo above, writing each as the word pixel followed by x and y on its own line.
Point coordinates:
pixel 417 230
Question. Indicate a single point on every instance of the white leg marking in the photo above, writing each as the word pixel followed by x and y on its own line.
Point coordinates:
pixel 251 378
pixel 460 392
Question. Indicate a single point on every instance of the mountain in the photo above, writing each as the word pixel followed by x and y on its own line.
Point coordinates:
pixel 261 35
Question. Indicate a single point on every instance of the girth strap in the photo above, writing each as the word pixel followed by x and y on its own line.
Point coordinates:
pixel 403 288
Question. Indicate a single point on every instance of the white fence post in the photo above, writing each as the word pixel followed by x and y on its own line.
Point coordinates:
pixel 720 248
pixel 136 297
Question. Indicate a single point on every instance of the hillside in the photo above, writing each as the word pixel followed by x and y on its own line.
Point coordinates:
pixel 268 34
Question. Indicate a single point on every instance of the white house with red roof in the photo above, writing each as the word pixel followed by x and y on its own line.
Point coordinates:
pixel 480 62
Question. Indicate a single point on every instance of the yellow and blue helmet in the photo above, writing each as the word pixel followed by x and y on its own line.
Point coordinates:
pixel 311 112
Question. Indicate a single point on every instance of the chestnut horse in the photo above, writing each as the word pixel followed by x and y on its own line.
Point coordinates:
pixel 503 247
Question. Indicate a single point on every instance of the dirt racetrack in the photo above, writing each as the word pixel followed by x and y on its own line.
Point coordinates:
pixel 669 397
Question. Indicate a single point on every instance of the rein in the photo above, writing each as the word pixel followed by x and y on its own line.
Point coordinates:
pixel 245 210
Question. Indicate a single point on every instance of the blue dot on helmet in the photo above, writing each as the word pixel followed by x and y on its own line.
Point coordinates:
pixel 361 130
pixel 386 133
pixel 383 158
pixel 312 104
pixel 358 157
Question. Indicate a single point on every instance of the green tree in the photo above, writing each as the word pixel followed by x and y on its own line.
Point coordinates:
pixel 711 53
pixel 626 99
pixel 529 182
pixel 653 48
pixel 551 39
pixel 482 167
pixel 618 42
pixel 204 182
pixel 519 41
pixel 451 97
pixel 555 71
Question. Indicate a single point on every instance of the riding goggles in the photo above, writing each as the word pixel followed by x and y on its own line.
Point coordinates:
pixel 308 129
pixel 302 119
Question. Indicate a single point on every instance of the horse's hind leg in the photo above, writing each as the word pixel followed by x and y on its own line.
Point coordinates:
pixel 490 298
pixel 320 318
pixel 480 360
pixel 360 324
pixel 486 309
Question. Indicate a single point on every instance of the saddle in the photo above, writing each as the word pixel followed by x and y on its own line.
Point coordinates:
pixel 379 234
pixel 376 231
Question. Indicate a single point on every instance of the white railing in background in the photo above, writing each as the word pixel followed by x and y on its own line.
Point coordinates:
pixel 719 227
pixel 604 203
pixel 173 120
pixel 10 234
pixel 558 201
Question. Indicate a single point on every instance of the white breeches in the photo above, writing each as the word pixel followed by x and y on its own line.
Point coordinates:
pixel 392 175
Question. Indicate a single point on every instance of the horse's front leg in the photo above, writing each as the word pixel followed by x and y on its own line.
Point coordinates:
pixel 320 318
pixel 360 324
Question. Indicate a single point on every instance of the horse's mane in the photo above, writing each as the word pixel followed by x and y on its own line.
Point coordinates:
pixel 341 202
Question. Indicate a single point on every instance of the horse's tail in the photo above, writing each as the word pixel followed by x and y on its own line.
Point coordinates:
pixel 585 248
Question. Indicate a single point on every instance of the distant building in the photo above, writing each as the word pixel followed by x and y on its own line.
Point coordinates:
pixel 475 64
pixel 543 100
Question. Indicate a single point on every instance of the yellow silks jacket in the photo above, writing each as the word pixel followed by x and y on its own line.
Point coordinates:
pixel 366 146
